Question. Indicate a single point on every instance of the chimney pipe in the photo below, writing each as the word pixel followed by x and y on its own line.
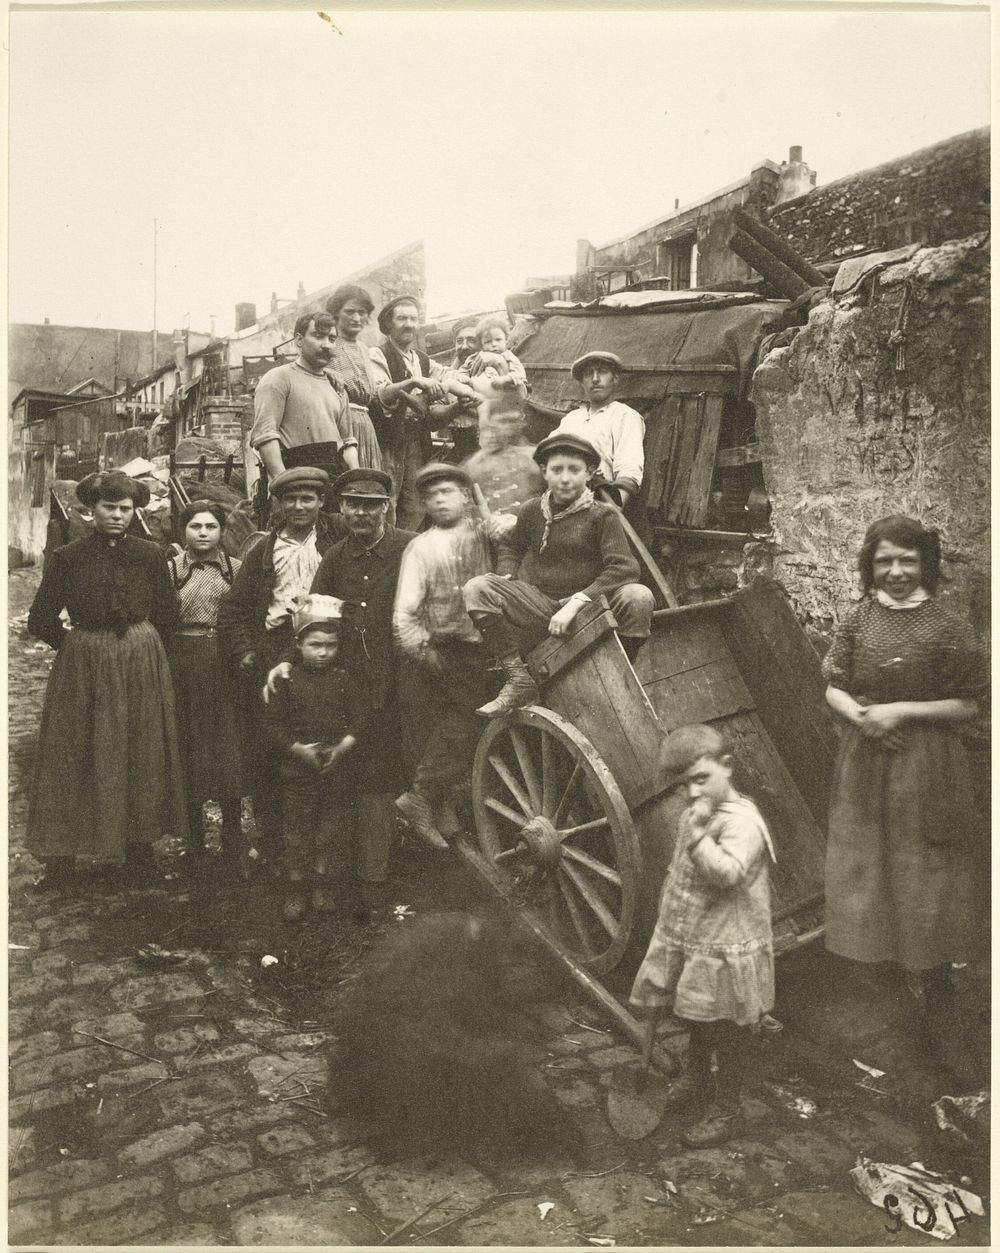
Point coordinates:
pixel 795 154
pixel 274 302
pixel 677 203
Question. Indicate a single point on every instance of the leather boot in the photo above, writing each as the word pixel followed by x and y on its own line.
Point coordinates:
pixel 517 691
pixel 416 810
pixel 695 1086
pixel 445 818
pixel 724 1117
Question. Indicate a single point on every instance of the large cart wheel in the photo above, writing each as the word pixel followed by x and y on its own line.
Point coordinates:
pixel 552 820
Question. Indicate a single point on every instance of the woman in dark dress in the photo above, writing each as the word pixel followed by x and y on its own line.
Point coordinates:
pixel 208 729
pixel 904 673
pixel 107 779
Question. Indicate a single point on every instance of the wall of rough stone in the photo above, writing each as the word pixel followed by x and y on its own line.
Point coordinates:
pixel 847 437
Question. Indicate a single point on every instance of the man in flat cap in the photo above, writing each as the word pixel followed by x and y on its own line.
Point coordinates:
pixel 362 570
pixel 255 624
pixel 445 662
pixel 616 430
pixel 300 415
pixel 565 549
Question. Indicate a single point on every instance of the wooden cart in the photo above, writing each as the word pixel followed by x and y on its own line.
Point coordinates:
pixel 575 826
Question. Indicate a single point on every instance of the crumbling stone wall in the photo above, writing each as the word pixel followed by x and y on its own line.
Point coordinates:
pixel 850 431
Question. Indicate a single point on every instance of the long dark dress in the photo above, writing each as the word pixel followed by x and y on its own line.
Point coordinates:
pixel 209 733
pixel 349 365
pixel 903 826
pixel 107 770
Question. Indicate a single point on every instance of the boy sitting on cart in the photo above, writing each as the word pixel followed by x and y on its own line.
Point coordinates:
pixel 566 549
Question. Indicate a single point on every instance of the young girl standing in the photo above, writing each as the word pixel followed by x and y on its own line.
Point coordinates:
pixel 711 958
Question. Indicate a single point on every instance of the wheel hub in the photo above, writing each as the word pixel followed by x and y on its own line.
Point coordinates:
pixel 541 843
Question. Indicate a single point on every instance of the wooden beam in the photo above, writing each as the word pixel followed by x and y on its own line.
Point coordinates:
pixel 780 276
pixel 779 246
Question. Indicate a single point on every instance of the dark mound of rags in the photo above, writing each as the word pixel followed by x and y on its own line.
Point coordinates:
pixel 428 1054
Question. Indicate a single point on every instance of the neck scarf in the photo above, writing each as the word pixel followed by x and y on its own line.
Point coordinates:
pixel 910 602
pixel 583 501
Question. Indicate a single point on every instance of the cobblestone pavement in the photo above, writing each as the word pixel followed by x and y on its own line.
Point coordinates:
pixel 178 1105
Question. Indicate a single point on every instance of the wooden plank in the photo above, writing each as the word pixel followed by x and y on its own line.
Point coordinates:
pixel 742 455
pixel 554 654
pixel 638 367
pixel 782 672
pixel 694 510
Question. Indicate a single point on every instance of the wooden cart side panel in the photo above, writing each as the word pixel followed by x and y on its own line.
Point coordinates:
pixel 688 671
pixel 781 671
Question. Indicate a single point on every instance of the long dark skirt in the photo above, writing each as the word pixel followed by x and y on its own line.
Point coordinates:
pixel 108 769
pixel 207 727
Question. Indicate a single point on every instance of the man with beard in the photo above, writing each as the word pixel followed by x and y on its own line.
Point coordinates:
pixel 464 416
pixel 299 414
pixel 362 571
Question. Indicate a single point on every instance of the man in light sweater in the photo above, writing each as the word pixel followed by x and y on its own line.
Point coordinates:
pixel 565 549
pixel 615 429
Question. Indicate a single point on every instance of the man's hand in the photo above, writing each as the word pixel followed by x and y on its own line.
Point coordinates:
pixel 311 755
pixel 283 670
pixel 432 389
pixel 247 662
pixel 562 619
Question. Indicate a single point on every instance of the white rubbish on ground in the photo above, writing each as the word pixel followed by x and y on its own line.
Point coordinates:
pixel 918 1197
pixel 268 960
pixel 869 1070
pixel 965 1117
pixel 545 1208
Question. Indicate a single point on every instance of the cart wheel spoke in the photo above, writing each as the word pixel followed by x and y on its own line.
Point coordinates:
pixel 550 781
pixel 593 864
pixel 576 917
pixel 598 824
pixel 504 811
pixel 515 789
pixel 567 793
pixel 528 771
pixel 593 898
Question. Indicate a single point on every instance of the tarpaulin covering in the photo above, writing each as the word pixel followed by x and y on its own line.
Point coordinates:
pixel 717 340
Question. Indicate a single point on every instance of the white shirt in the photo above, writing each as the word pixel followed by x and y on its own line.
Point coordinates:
pixel 295 564
pixel 616 431
pixel 380 368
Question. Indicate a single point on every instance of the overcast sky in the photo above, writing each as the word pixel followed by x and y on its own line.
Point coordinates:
pixel 272 148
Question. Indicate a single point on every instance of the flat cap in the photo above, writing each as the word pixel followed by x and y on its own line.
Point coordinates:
pixel 364 484
pixel 439 472
pixel 565 441
pixel 607 358
pixel 385 313
pixel 300 476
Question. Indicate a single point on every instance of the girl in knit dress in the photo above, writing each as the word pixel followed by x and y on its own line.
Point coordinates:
pixel 209 732
pixel 710 958
pixel 351 306
pixel 904 673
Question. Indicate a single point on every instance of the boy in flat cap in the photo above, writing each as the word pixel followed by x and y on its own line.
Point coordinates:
pixel 362 570
pixel 565 549
pixel 447 676
pixel 616 430
pixel 313 720
pixel 254 624
pixel 300 414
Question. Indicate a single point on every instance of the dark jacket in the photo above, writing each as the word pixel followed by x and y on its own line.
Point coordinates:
pixel 243 609
pixel 104 585
pixel 391 425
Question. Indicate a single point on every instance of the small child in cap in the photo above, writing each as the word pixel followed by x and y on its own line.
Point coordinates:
pixel 313 721
pixel 711 958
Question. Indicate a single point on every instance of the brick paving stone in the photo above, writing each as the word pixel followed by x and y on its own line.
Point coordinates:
pixel 405 1188
pixel 748 1227
pixel 619 1055
pixel 300 1221
pixel 210 1162
pixel 160 989
pixel 326 1166
pixel 183 1039
pixel 273 1074
pixel 48 963
pixel 162 1143
pixel 67 1176
pixel 229 1191
pixel 223 1056
pixel 127 1077
pixel 822 1155
pixel 573 1042
pixel 112 1196
pixel 96 974
pixel 19 1020
pixel 185 1235
pixel 119 1228
pixel 23 1145
pixel 26 1220
pixel 845 1216
pixel 30 1047
pixel 301 1040
pixel 69 933
pixel 35 987
pixel 245 1121
pixel 514 1223
pixel 43 1072
pixel 282 1140
pixel 613 1197
pixel 577 1094
pixel 60 1010
pixel 197 1096
pixel 111 1026
pixel 21 1108
pixel 257 1028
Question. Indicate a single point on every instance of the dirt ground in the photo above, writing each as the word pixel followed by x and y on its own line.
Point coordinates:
pixel 200 1098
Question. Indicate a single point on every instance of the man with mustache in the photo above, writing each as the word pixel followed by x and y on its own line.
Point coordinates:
pixel 300 415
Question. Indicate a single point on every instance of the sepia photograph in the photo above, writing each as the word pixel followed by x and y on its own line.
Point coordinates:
pixel 498 626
